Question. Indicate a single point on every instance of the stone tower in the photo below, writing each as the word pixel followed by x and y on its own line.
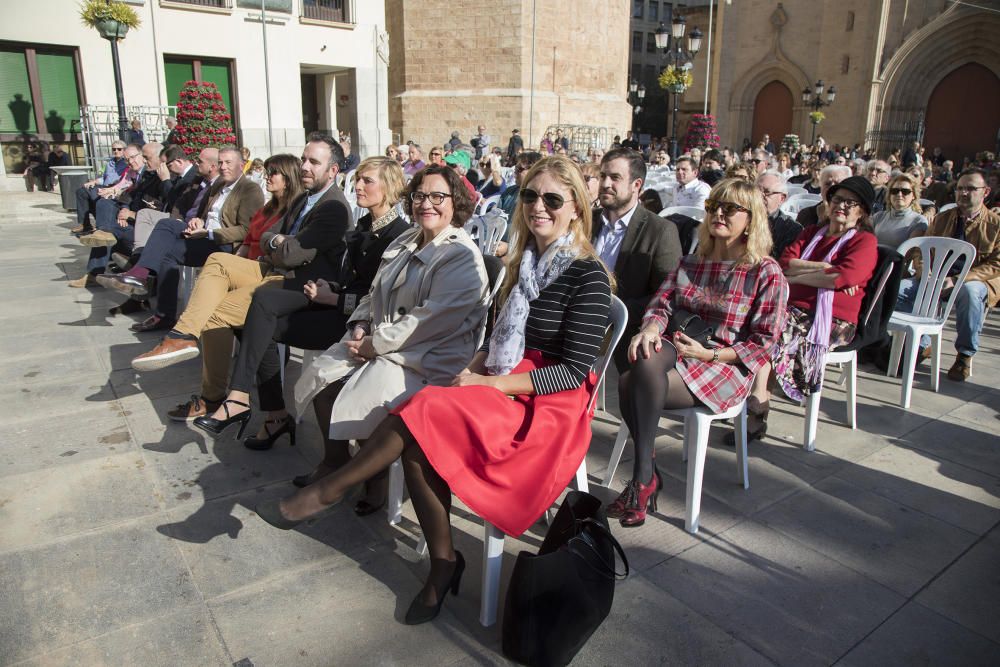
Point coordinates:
pixel 455 65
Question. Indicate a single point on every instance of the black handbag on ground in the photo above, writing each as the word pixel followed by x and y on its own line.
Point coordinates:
pixel 559 597
pixel 689 324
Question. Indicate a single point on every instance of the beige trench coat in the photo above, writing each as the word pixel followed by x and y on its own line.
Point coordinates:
pixel 426 328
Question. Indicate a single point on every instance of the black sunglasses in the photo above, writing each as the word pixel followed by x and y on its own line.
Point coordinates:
pixel 900 191
pixel 550 200
pixel 728 207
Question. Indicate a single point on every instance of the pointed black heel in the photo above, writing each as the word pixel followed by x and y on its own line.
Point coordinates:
pixel 217 426
pixel 262 444
pixel 420 613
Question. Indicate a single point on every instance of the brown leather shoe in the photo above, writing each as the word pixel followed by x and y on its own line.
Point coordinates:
pixel 196 407
pixel 961 369
pixel 169 352
pixel 99 239
pixel 87 280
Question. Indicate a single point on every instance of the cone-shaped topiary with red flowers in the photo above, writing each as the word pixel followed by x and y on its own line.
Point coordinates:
pixel 702 132
pixel 202 118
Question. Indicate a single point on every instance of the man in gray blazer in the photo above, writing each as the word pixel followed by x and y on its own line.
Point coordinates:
pixel 639 246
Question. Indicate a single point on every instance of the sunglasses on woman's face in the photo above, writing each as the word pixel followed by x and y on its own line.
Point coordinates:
pixel 272 172
pixel 550 200
pixel 728 207
pixel 900 191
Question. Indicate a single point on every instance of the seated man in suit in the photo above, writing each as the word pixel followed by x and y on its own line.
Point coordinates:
pixel 640 247
pixel 228 207
pixel 307 243
pixel 115 214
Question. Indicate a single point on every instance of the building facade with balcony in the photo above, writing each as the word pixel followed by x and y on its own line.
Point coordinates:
pixel 326 69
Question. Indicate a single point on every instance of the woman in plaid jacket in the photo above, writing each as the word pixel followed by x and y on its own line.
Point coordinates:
pixel 739 291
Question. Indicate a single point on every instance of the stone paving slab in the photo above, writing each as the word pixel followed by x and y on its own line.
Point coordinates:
pixel 128 539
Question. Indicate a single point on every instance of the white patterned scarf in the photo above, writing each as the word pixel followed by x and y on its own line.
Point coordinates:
pixel 537 273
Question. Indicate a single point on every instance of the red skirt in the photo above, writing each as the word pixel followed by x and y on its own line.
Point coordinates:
pixel 507 460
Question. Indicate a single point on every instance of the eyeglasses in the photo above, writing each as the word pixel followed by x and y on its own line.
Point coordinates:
pixel 969 189
pixel 900 191
pixel 758 160
pixel 550 200
pixel 272 172
pixel 437 198
pixel 768 193
pixel 728 207
pixel 848 204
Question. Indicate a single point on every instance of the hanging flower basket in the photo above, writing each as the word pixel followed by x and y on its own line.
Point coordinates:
pixel 675 79
pixel 112 20
pixel 817 117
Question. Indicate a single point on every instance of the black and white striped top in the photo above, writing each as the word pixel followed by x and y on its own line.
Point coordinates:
pixel 567 323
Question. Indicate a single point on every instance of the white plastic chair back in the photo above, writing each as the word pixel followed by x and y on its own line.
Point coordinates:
pixel 947 207
pixel 486 204
pixel 796 203
pixel 793 190
pixel 938 255
pixel 488 229
pixel 349 184
pixel 926 202
pixel 618 318
pixel 690 211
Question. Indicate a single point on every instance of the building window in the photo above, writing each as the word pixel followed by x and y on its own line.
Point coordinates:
pixel 637 8
pixel 845 65
pixel 654 11
pixel 636 40
pixel 850 21
pixel 650 43
pixel 649 75
pixel 41 89
pixel 178 70
pixel 636 73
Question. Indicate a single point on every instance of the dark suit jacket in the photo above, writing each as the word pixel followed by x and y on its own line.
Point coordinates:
pixel 148 189
pixel 650 250
pixel 317 248
pixel 245 199
pixel 181 186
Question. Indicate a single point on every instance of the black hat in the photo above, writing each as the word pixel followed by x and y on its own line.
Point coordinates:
pixel 859 186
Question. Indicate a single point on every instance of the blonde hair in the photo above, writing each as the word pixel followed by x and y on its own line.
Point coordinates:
pixel 568 173
pixel 758 242
pixel 909 180
pixel 390 175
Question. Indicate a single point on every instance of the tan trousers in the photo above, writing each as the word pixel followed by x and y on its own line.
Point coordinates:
pixel 218 304
pixel 145 221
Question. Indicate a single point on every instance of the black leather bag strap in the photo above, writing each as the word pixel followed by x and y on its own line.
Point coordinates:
pixel 589 529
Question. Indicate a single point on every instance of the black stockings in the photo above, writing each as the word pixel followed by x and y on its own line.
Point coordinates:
pixel 648 387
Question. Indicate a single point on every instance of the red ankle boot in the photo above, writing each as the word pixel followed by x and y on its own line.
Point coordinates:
pixel 643 499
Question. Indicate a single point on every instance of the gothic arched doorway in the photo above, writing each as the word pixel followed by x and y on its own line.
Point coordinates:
pixel 963 113
pixel 772 113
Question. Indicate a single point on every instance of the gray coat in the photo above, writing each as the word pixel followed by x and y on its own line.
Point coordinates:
pixel 426 309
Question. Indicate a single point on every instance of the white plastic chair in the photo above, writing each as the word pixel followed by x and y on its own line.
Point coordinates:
pixel 493 537
pixel 926 202
pixel 697 424
pixel 487 229
pixel 349 184
pixel 792 190
pixel 486 204
pixel 690 211
pixel 796 203
pixel 938 255
pixel 947 207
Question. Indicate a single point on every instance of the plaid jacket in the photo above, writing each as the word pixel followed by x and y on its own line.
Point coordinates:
pixel 746 306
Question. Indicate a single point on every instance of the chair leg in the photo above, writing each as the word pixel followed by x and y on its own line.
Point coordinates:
pixel 898 338
pixel 909 367
pixel 851 372
pixel 492 562
pixel 696 472
pixel 394 508
pixel 581 477
pixel 935 360
pixel 616 455
pixel 685 437
pixel 281 362
pixel 741 447
pixel 812 419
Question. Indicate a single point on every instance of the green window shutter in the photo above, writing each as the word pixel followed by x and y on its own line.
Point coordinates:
pixel 217 71
pixel 57 79
pixel 18 112
pixel 177 73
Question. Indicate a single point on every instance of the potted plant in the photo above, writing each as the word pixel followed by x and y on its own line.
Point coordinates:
pixel 675 79
pixel 817 117
pixel 111 18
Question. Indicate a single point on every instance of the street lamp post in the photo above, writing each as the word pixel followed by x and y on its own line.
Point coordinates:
pixel 814 98
pixel 679 58
pixel 636 94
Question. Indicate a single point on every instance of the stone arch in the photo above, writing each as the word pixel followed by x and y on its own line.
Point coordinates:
pixel 744 96
pixel 959 36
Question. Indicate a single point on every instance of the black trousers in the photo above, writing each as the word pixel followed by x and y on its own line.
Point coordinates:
pixel 285 316
pixel 165 252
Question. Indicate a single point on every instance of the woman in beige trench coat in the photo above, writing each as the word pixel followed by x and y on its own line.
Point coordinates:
pixel 420 324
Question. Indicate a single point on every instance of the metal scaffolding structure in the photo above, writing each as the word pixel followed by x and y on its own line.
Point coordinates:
pixel 100 128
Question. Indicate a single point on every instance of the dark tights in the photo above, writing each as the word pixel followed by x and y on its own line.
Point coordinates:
pixel 430 494
pixel 336 453
pixel 649 386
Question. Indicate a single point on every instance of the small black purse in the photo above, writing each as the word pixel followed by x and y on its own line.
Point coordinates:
pixel 689 324
pixel 559 597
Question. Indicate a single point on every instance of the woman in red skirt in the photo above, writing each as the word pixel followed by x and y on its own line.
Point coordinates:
pixel 510 432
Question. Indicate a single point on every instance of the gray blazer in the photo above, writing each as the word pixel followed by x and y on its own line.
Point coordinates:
pixel 426 309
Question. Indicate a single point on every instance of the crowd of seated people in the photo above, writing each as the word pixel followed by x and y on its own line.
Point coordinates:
pixel 396 304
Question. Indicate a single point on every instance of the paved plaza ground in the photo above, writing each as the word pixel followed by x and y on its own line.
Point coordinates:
pixel 126 539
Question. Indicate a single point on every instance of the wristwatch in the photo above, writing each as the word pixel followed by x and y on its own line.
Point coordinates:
pixel 715 354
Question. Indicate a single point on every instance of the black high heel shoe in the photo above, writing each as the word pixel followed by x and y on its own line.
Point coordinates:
pixel 261 444
pixel 217 426
pixel 419 612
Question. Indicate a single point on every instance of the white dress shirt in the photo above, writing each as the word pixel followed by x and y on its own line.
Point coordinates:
pixel 692 194
pixel 212 221
pixel 609 241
